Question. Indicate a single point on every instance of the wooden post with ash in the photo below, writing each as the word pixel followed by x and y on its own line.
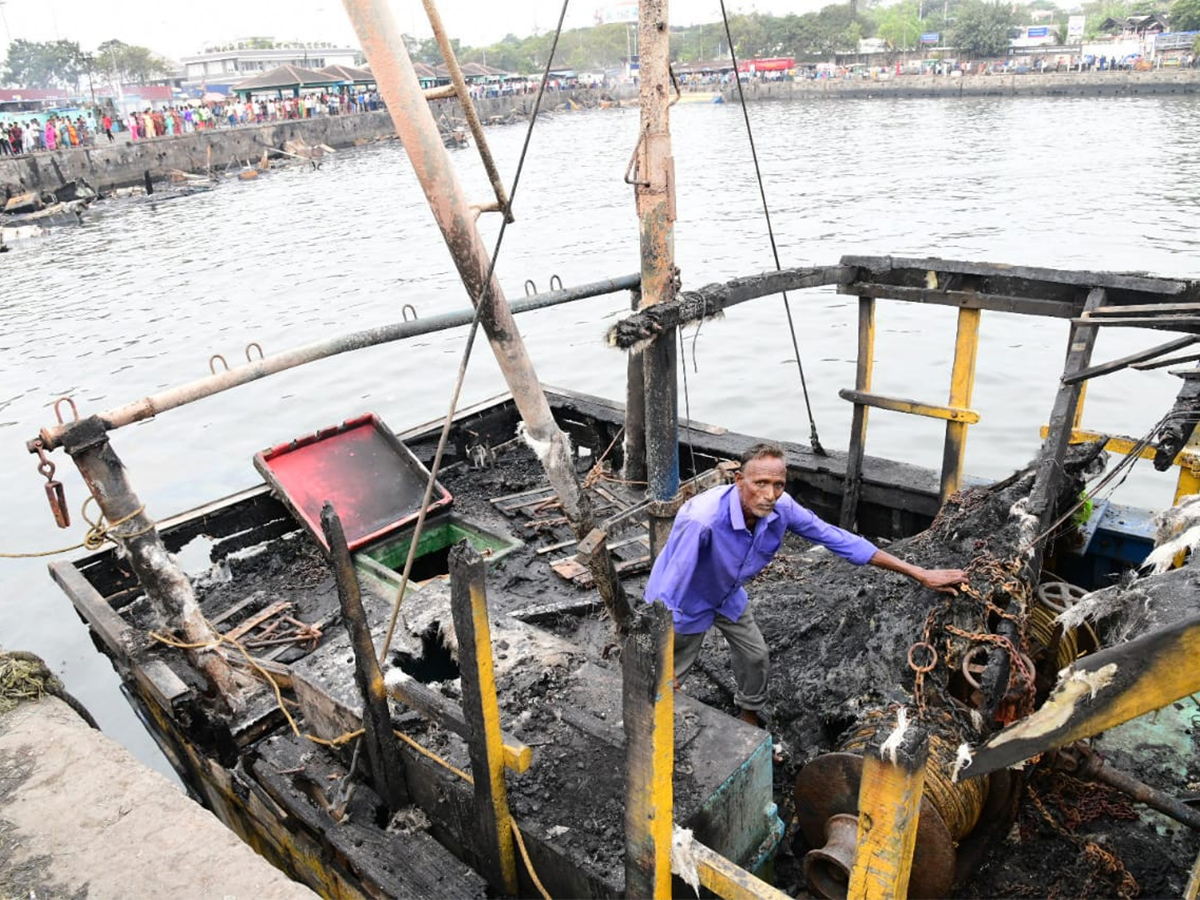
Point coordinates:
pixel 648 704
pixel 485 742
pixel 383 753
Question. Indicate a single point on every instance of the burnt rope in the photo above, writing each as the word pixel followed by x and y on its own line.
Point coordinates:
pixel 470 343
pixel 812 424
pixel 97 534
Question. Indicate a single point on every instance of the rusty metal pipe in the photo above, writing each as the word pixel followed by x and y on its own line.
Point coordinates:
pixel 384 47
pixel 148 407
pixel 468 108
pixel 1081 761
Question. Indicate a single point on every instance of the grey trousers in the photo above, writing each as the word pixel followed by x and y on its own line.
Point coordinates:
pixel 751 659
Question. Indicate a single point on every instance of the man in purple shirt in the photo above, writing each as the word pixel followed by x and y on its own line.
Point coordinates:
pixel 727 535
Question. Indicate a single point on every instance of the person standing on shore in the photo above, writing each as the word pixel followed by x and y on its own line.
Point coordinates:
pixel 106 122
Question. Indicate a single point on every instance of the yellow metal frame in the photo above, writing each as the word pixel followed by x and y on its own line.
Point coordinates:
pixel 956 412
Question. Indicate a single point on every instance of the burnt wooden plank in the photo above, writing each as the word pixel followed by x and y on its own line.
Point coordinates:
pixel 1127 281
pixel 1116 365
pixel 1049 470
pixel 108 626
pixel 307 785
pixel 468 604
pixel 693 306
pixel 1029 306
pixel 383 754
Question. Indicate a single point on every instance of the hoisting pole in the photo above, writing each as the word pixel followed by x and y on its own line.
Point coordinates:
pixel 397 81
pixel 654 180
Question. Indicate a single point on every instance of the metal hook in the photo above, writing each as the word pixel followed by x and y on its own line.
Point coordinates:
pixel 553 279
pixel 406 309
pixel 249 358
pixel 530 287
pixel 58 413
pixel 633 163
pixel 212 363
pixel 54 490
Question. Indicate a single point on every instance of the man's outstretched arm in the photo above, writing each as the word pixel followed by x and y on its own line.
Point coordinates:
pixel 946 580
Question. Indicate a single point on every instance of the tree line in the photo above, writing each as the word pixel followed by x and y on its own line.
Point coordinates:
pixel 974 28
pixel 64 64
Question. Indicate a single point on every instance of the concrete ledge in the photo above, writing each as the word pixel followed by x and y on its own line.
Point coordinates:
pixel 80 817
pixel 1066 84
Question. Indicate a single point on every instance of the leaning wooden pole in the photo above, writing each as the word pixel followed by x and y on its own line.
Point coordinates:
pixel 654 181
pixel 167 587
pixel 383 751
pixel 383 44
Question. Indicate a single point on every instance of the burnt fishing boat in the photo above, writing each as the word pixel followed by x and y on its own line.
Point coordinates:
pixel 414 664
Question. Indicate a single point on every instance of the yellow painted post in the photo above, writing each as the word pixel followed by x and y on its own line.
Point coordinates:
pixel 648 705
pixel 852 483
pixel 889 805
pixel 485 743
pixel 962 383
pixel 1189 477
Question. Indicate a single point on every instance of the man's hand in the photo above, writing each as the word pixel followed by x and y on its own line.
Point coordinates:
pixel 945 580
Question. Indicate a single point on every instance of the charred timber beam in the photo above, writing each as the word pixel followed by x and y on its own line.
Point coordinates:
pixel 648 706
pixel 149 407
pixel 1125 361
pixel 1037 281
pixel 449 715
pixel 383 752
pixel 468 605
pixel 1181 421
pixel 1059 309
pixel 1164 323
pixel 889 806
pixel 693 306
pixel 724 879
pixel 168 588
pixel 1079 353
pixel 593 552
pixel 1100 692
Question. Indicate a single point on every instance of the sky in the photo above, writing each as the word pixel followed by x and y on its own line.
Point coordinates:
pixel 176 29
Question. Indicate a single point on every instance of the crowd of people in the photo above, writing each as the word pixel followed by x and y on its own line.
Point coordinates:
pixel 100 125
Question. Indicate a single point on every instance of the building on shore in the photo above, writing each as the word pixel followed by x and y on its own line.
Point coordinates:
pixel 222 65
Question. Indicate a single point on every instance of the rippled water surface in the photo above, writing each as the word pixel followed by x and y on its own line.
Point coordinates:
pixel 140 297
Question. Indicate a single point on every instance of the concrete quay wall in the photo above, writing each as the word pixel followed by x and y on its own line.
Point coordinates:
pixel 107 166
pixel 1178 82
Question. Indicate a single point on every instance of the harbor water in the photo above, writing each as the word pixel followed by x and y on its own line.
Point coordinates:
pixel 146 291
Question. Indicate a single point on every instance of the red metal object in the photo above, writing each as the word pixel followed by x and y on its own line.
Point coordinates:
pixel 374 482
pixel 770 64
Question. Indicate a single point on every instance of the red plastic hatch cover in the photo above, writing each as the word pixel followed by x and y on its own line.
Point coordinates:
pixel 374 482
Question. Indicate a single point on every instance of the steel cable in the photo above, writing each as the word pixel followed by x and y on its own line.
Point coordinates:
pixel 813 439
pixel 466 357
